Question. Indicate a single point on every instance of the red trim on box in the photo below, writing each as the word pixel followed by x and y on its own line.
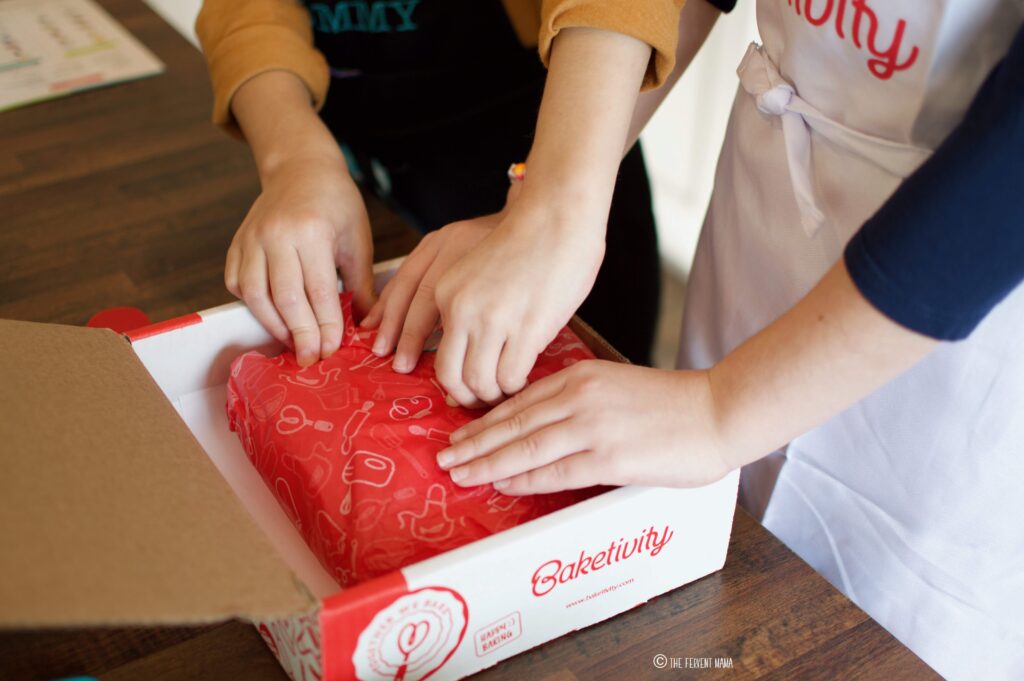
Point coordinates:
pixel 119 319
pixel 164 326
pixel 344 616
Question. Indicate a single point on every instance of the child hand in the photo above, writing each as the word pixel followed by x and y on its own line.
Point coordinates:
pixel 308 221
pixel 406 312
pixel 595 423
pixel 503 302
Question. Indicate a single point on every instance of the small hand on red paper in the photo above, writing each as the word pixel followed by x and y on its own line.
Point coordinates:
pixel 308 220
pixel 406 313
pixel 595 423
pixel 506 299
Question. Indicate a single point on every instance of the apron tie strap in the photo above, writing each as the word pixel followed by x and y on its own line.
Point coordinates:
pixel 774 96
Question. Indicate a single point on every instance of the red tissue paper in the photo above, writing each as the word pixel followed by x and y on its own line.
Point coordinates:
pixel 348 447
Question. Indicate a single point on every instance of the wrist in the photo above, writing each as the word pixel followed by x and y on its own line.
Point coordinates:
pixel 570 198
pixel 726 424
pixel 299 140
pixel 284 161
pixel 557 222
pixel 571 181
pixel 274 111
pixel 564 200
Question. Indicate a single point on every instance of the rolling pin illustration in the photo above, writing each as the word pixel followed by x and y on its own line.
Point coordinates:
pixel 431 434
pixel 352 426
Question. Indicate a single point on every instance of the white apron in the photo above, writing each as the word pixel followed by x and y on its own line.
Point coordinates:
pixel 909 501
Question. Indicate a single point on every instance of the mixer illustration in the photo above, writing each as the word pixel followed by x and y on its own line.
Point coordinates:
pixel 365 468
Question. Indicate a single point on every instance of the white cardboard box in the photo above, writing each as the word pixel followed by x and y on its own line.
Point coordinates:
pixel 442 618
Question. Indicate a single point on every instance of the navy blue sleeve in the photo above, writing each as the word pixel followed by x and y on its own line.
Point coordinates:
pixel 949 244
pixel 724 5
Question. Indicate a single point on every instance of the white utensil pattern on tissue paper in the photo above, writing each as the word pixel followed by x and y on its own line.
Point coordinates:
pixel 353 425
pixel 432 434
pixel 293 419
pixel 385 437
pixel 435 511
pixel 365 468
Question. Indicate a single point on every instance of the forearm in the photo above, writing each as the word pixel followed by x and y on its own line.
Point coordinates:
pixel 695 23
pixel 275 113
pixel 957 214
pixel 593 80
pixel 827 352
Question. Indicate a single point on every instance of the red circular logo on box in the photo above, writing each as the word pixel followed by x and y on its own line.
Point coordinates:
pixel 413 637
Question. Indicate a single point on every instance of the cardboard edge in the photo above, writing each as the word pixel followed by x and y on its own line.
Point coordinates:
pixel 294 596
pixel 593 340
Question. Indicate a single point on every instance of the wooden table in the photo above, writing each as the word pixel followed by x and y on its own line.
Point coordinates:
pixel 129 196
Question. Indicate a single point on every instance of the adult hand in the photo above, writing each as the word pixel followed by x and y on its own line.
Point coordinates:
pixel 308 221
pixel 595 423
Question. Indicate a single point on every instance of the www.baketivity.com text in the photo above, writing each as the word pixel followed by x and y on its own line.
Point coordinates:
pixel 602 592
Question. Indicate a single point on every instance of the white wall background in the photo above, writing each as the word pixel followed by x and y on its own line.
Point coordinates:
pixel 681 143
pixel 181 14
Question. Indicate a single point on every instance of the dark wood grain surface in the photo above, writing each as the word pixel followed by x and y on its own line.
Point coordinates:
pixel 128 196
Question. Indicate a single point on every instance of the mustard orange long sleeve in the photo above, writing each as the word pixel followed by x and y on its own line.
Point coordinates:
pixel 655 22
pixel 243 39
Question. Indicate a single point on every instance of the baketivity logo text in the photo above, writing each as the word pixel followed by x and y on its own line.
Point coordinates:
pixel 555 572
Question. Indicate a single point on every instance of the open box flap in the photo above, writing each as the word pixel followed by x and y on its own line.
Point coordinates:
pixel 600 347
pixel 110 511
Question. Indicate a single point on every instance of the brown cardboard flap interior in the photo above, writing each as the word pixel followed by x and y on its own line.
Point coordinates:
pixel 110 512
pixel 602 348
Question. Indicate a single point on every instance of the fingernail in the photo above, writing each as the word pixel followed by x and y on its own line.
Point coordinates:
pixel 451 401
pixel 306 359
pixel 456 436
pixel 380 346
pixel 445 458
pixel 500 484
pixel 458 474
pixel 401 365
